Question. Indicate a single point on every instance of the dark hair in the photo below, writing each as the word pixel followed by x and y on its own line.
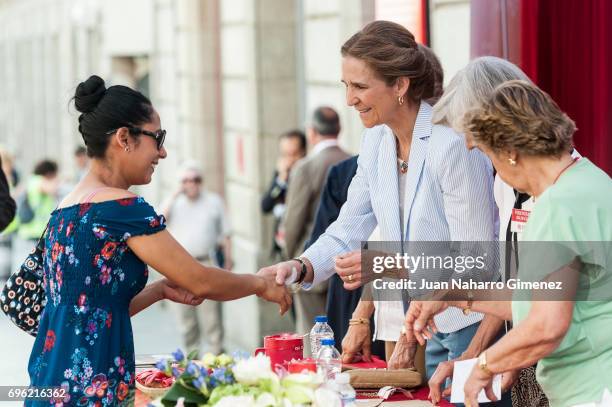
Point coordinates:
pixel 326 121
pixel 103 110
pixel 80 150
pixel 296 134
pixel 437 71
pixel 45 168
pixel 392 52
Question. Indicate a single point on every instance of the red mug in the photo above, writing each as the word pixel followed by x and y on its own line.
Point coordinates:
pixel 282 348
pixel 298 366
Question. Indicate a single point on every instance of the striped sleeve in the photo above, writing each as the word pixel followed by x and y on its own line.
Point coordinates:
pixel 355 223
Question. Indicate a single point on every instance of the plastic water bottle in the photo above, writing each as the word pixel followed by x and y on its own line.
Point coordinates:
pixel 319 331
pixel 329 361
pixel 345 390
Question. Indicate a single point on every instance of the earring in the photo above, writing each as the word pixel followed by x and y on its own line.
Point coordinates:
pixel 512 162
pixel 400 100
pixel 127 149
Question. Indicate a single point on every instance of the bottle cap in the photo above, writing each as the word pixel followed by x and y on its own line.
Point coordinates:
pixel 321 318
pixel 328 341
pixel 343 378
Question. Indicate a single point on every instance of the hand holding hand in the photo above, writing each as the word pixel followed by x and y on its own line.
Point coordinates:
pixel 172 292
pixel 275 293
pixel 280 272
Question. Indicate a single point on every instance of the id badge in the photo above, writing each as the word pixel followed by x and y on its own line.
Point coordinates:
pixel 519 220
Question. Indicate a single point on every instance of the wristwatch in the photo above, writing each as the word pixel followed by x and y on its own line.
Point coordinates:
pixel 303 271
pixel 482 364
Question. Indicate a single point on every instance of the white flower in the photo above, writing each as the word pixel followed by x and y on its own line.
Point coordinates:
pixel 265 400
pixel 311 380
pixel 233 401
pixel 324 397
pixel 251 371
pixel 68 373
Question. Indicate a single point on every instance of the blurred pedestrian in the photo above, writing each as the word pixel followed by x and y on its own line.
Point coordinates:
pixel 81 162
pixel 292 147
pixel 197 219
pixel 6 201
pixel 7 204
pixel 305 185
pixel 34 205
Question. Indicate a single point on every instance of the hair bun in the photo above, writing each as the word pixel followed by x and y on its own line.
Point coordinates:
pixel 89 93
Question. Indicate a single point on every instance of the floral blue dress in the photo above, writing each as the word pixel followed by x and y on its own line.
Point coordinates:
pixel 85 341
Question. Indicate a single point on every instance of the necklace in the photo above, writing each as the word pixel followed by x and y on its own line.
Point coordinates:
pixel 403 165
pixel 564 169
pixel 561 172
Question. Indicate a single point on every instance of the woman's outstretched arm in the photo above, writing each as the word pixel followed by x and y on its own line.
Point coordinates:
pixel 162 252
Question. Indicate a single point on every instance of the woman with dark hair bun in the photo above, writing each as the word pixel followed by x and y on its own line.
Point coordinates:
pixel 98 246
pixel 415 181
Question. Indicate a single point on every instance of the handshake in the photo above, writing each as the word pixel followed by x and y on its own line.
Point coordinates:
pixel 290 273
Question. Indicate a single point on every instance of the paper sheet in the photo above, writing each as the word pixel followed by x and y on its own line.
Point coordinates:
pixel 460 375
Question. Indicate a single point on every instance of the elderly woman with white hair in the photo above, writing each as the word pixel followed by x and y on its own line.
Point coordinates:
pixel 469 88
pixel 529 138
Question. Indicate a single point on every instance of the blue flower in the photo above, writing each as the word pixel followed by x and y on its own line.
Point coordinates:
pixel 192 369
pixel 175 372
pixel 178 355
pixel 197 383
pixel 219 373
pixel 161 365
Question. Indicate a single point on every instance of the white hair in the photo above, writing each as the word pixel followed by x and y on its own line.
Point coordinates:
pixel 190 166
pixel 471 86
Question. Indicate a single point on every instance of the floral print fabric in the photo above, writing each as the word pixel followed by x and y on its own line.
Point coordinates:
pixel 85 341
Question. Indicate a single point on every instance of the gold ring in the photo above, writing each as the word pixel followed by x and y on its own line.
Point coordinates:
pixel 350 278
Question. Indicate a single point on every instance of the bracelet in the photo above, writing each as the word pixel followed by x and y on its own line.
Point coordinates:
pixel 359 321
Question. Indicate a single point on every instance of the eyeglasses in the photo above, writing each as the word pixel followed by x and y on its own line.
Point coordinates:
pixel 159 135
pixel 196 180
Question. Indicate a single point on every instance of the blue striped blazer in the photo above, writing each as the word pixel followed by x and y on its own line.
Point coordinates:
pixel 448 197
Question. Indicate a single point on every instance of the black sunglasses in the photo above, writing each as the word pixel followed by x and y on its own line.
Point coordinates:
pixel 159 135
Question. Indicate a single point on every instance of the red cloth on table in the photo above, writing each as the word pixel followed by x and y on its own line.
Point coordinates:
pixel 418 394
pixel 376 363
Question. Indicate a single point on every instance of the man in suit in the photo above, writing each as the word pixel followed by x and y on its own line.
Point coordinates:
pixel 340 302
pixel 305 185
pixel 7 204
pixel 292 147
